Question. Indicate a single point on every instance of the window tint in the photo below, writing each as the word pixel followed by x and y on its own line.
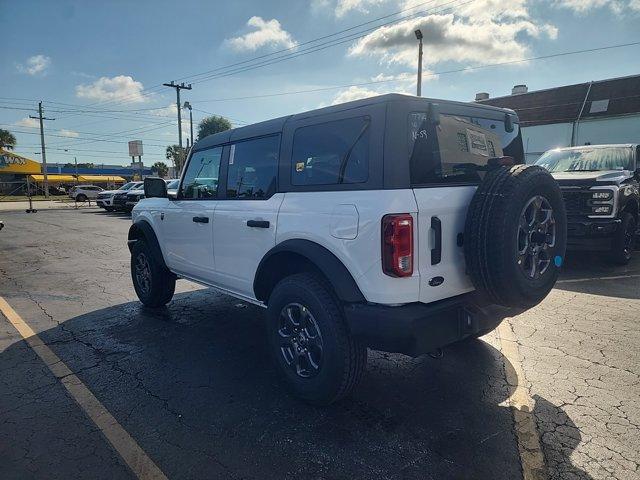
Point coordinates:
pixel 455 151
pixel 252 168
pixel 201 178
pixel 331 153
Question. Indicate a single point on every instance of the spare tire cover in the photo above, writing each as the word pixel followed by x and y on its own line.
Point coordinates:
pixel 515 236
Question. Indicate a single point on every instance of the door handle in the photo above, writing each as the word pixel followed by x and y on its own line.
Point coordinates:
pixel 258 223
pixel 201 219
pixel 436 251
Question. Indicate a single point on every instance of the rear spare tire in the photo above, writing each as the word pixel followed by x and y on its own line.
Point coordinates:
pixel 515 235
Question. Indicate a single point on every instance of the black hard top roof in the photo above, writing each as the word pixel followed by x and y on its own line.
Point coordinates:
pixel 277 124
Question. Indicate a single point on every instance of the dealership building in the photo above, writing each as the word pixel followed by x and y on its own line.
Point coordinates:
pixel 592 113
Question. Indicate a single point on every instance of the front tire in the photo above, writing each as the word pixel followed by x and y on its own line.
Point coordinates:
pixel 153 283
pixel 624 240
pixel 313 350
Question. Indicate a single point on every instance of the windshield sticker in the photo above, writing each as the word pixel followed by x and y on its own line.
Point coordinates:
pixel 477 143
pixel 299 166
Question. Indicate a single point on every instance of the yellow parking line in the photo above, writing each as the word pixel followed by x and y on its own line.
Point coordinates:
pixel 531 456
pixel 137 460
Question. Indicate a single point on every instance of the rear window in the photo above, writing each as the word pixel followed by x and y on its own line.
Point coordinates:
pixel 458 149
pixel 331 153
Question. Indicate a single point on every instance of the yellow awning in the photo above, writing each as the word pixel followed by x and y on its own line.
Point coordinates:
pixel 53 178
pixel 101 178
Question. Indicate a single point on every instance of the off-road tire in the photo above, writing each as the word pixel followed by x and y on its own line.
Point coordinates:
pixel 162 281
pixel 621 252
pixel 344 358
pixel 492 230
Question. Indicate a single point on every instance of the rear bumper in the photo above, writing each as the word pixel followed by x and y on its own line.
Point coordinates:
pixel 591 234
pixel 417 328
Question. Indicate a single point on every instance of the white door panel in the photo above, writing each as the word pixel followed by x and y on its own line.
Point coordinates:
pixel 448 205
pixel 239 246
pixel 188 244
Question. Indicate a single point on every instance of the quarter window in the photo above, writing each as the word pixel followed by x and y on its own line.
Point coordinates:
pixel 253 165
pixel 331 153
pixel 201 178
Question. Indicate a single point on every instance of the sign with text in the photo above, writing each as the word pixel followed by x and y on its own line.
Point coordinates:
pixel 135 148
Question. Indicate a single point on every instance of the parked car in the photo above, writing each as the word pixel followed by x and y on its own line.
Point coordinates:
pixel 119 199
pixel 397 223
pixel 82 193
pixel 172 187
pixel 105 198
pixel 601 189
pixel 136 194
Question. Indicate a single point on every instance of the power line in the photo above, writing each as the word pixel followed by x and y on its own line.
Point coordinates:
pixel 434 74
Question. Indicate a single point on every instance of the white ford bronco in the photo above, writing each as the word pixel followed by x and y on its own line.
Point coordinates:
pixel 397 223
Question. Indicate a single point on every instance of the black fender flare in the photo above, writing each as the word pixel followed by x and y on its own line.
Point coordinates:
pixel 326 262
pixel 142 230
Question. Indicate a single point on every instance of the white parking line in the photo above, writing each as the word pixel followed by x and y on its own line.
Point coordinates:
pixel 594 279
pixel 138 461
pixel 521 404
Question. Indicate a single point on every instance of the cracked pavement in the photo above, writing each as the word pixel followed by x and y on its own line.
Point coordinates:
pixel 194 386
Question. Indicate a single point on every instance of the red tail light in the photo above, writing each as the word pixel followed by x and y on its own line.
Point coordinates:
pixel 397 245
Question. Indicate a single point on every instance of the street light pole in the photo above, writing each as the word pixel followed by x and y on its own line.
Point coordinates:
pixel 419 37
pixel 188 105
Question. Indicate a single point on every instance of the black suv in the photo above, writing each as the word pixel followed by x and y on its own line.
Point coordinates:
pixel 600 186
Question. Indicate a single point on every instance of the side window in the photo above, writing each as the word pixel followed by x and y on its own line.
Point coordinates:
pixel 201 178
pixel 331 153
pixel 253 165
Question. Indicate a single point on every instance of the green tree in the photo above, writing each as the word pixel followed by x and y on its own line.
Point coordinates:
pixel 177 156
pixel 211 125
pixel 161 168
pixel 7 140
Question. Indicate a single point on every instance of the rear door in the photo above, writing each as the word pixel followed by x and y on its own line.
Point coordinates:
pixel 245 221
pixel 445 156
pixel 187 222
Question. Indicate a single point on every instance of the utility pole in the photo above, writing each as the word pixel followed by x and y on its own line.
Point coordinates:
pixel 419 37
pixel 44 155
pixel 188 105
pixel 178 87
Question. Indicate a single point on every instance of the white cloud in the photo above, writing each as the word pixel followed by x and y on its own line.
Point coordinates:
pixel 635 5
pixel 121 87
pixel 482 32
pixel 584 6
pixel 28 122
pixel 169 111
pixel 38 64
pixel 353 93
pixel 68 133
pixel 267 33
pixel 345 6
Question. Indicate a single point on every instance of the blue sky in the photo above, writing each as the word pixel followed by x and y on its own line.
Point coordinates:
pixel 98 66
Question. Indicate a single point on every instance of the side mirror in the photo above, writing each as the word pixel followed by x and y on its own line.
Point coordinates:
pixel 155 188
pixel 508 123
pixel 434 113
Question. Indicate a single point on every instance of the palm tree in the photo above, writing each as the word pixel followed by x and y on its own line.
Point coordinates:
pixel 177 156
pixel 7 140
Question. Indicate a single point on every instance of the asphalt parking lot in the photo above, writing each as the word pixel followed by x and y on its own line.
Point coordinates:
pixel 193 387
